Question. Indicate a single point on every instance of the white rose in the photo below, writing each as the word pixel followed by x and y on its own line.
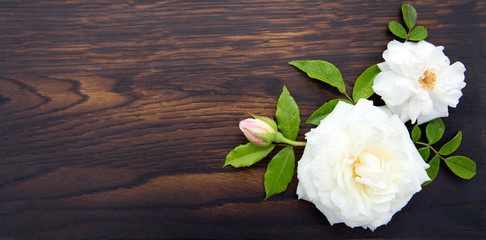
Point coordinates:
pixel 417 81
pixel 360 166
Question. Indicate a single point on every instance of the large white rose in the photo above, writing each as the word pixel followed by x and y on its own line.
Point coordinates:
pixel 360 166
pixel 417 81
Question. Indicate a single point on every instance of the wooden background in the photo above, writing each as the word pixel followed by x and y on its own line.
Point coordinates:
pixel 116 116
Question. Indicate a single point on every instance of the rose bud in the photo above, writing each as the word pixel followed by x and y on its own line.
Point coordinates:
pixel 260 131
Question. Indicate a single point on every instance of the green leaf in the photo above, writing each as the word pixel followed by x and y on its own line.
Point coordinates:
pixel 397 29
pixel 321 70
pixel 425 153
pixel 432 170
pixel 409 15
pixel 246 155
pixel 434 130
pixel 363 88
pixel 452 145
pixel 418 33
pixel 323 111
pixel 462 166
pixel 287 114
pixel 416 133
pixel 279 172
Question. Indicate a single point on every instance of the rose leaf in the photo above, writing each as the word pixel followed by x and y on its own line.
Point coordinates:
pixel 321 70
pixel 409 15
pixel 433 169
pixel 425 153
pixel 452 145
pixel 247 155
pixel 323 111
pixel 416 133
pixel 462 166
pixel 279 172
pixel 434 130
pixel 418 33
pixel 397 29
pixel 363 88
pixel 287 114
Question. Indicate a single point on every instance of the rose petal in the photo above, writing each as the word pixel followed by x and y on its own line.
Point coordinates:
pixel 360 166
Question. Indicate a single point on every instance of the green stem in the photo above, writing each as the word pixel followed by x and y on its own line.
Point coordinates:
pixel 422 143
pixel 433 149
pixel 350 99
pixel 408 35
pixel 279 138
pixel 293 143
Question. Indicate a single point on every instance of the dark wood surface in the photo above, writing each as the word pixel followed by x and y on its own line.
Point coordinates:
pixel 116 116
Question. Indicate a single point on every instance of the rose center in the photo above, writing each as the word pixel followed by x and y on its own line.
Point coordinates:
pixel 367 169
pixel 428 79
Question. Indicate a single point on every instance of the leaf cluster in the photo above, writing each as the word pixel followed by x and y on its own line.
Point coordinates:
pixel 414 33
pixel 462 166
pixel 281 167
pixel 330 74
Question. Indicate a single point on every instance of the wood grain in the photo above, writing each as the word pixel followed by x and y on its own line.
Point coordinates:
pixel 116 116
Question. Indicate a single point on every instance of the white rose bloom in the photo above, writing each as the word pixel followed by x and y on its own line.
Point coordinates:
pixel 360 166
pixel 417 81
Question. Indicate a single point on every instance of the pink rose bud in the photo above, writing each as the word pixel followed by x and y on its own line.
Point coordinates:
pixel 260 131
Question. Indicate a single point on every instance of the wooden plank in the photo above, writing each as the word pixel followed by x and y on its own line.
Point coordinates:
pixel 116 117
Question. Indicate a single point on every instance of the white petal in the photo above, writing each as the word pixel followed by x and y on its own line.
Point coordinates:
pixel 398 83
pixel 383 66
pixel 425 118
pixel 393 167
pixel 436 59
pixel 452 77
pixel 397 56
pixel 401 111
pixel 393 89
